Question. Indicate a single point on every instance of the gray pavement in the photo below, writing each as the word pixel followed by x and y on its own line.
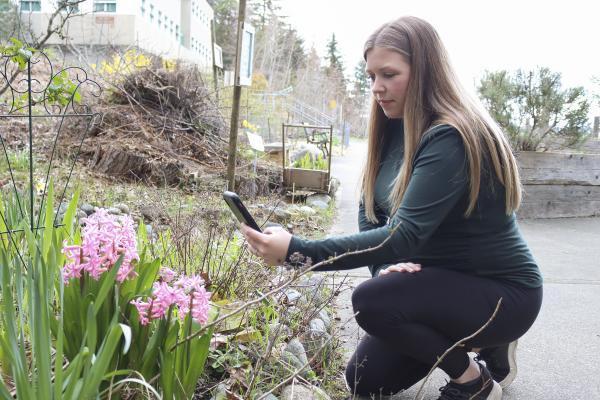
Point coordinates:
pixel 559 358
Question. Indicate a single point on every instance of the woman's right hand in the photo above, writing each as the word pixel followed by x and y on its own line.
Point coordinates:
pixel 401 267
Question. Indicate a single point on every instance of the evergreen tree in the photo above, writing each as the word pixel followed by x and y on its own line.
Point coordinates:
pixel 226 14
pixel 361 80
pixel 262 10
pixel 333 56
pixel 533 105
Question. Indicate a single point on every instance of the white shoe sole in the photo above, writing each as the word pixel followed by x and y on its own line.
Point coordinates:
pixel 512 363
pixel 496 393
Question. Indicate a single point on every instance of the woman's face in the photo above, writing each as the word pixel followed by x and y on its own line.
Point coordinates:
pixel 389 73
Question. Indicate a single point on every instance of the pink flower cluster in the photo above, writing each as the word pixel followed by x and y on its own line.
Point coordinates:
pixel 105 238
pixel 187 294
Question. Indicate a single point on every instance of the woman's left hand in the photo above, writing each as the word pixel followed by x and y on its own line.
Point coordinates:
pixel 271 245
pixel 401 267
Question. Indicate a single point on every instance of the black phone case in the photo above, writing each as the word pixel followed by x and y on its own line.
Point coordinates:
pixel 239 210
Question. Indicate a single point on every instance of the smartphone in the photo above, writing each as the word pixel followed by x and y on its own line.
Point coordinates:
pixel 239 210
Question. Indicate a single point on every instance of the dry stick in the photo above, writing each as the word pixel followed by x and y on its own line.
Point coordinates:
pixel 456 345
pixel 299 370
pixel 271 343
pixel 282 286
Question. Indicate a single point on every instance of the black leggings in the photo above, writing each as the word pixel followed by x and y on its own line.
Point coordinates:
pixel 412 319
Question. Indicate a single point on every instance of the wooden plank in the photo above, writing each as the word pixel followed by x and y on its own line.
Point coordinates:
pixel 559 168
pixel 305 178
pixel 555 201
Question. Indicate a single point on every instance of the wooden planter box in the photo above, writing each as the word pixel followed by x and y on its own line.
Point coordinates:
pixel 559 184
pixel 309 179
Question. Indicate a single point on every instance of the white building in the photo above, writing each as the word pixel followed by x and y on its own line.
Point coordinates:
pixel 170 28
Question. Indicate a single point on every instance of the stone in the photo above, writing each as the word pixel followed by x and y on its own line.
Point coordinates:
pixel 307 210
pixel 149 213
pixel 313 288
pixel 220 393
pixel 321 205
pixel 81 215
pixel 63 208
pixel 293 208
pixel 123 207
pixel 334 185
pixel 292 296
pixel 316 340
pixel 279 329
pixel 293 363
pixel 317 325
pixel 302 392
pixel 295 355
pixel 293 311
pixel 318 198
pixel 270 396
pixel 296 348
pixel 282 215
pixel 114 211
pixel 317 344
pixel 324 316
pixel 87 208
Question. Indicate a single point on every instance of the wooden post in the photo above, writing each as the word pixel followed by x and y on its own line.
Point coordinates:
pixel 596 130
pixel 235 107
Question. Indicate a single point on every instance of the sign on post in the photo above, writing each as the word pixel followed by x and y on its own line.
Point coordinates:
pixel 247 55
pixel 256 142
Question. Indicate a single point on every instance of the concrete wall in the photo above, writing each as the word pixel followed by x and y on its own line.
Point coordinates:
pixel 559 184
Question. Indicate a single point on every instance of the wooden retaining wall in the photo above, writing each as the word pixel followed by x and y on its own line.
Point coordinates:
pixel 559 184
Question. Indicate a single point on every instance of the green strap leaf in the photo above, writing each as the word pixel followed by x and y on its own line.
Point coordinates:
pixel 108 282
pixel 48 221
pixel 69 216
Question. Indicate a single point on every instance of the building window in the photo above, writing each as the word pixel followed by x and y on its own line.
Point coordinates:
pixel 172 27
pixel 143 9
pixel 68 6
pixel 105 5
pixel 31 5
pixel 151 12
pixel 159 19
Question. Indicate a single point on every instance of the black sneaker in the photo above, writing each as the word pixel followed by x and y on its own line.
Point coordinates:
pixel 501 361
pixel 482 388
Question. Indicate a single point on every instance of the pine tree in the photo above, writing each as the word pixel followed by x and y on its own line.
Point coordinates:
pixel 226 13
pixel 335 61
pixel 361 80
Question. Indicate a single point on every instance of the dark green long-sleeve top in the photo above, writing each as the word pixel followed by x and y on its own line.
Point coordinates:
pixel 433 230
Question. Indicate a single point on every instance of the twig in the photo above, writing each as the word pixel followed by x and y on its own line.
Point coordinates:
pixel 280 287
pixel 299 370
pixel 456 345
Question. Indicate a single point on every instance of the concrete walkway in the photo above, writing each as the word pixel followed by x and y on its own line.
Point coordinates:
pixel 559 358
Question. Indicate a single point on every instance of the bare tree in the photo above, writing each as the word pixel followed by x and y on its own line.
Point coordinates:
pixel 18 24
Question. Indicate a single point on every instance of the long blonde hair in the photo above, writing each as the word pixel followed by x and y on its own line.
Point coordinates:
pixel 435 96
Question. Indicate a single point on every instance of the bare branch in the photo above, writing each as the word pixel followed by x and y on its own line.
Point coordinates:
pixel 295 374
pixel 281 287
pixel 455 345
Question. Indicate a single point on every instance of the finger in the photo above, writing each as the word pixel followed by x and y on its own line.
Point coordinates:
pixel 403 267
pixel 395 268
pixel 413 265
pixel 389 271
pixel 253 237
pixel 272 229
